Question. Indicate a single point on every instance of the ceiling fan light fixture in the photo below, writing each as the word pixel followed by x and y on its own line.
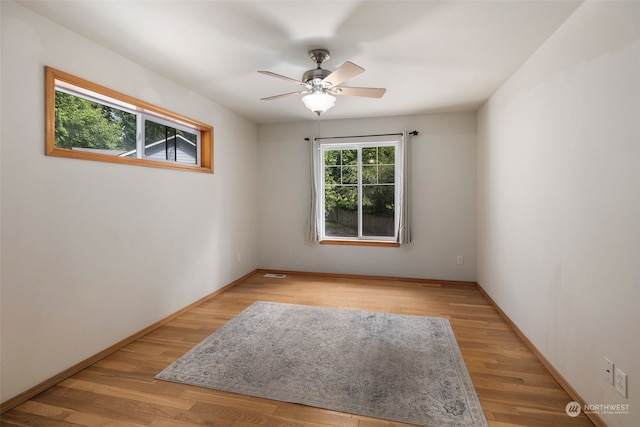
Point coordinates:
pixel 319 102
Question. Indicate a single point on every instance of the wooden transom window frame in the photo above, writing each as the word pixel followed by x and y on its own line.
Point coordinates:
pixel 56 78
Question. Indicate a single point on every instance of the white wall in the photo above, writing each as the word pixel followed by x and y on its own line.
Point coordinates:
pixel 559 200
pixel 94 252
pixel 443 168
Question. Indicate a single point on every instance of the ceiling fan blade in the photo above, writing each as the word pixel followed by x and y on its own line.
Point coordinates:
pixel 282 95
pixel 346 71
pixel 369 92
pixel 280 76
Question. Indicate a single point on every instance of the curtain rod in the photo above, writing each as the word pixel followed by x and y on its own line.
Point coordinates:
pixel 414 133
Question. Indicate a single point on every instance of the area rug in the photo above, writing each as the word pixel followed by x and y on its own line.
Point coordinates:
pixel 394 367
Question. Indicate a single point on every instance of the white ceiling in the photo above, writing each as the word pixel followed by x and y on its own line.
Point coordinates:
pixel 432 56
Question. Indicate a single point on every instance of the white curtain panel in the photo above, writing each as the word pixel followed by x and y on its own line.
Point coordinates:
pixel 313 228
pixel 404 217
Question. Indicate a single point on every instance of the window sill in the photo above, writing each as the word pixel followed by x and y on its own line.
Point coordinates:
pixel 361 243
pixel 73 154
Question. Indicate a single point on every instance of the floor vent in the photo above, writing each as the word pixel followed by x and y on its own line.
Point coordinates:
pixel 275 275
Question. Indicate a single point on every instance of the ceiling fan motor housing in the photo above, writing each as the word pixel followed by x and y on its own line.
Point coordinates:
pixel 317 73
pixel 315 76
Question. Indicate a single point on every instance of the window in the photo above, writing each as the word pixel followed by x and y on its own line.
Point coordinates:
pixel 87 121
pixel 359 190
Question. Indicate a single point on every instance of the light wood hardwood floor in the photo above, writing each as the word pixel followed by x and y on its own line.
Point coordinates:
pixel 514 388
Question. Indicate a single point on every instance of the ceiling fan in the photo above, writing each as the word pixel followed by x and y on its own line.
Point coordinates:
pixel 320 85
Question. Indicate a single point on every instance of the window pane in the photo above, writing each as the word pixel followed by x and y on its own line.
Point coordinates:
pixel 350 174
pixel 378 210
pixel 386 155
pixel 369 156
pixel 386 174
pixel 89 126
pixel 349 157
pixel 341 211
pixel 167 143
pixel 332 175
pixel 369 174
pixel 332 157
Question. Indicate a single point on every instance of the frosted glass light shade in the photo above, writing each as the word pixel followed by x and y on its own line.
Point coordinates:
pixel 318 102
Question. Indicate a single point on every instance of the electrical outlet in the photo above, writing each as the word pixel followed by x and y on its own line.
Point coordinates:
pixel 621 382
pixel 607 368
pixel 237 257
pixel 460 260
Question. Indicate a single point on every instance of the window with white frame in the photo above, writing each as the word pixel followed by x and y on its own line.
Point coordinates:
pixel 360 190
pixel 88 121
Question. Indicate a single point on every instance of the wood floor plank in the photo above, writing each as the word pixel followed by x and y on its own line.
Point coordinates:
pixel 302 413
pixel 17 418
pixel 211 412
pixel 173 423
pixel 44 410
pixel 225 399
pixel 94 420
pixel 514 388
pixel 125 393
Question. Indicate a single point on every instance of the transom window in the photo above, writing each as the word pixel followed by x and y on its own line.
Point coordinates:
pixel 88 121
pixel 359 191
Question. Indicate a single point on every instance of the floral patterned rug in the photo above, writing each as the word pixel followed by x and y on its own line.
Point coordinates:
pixel 394 367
